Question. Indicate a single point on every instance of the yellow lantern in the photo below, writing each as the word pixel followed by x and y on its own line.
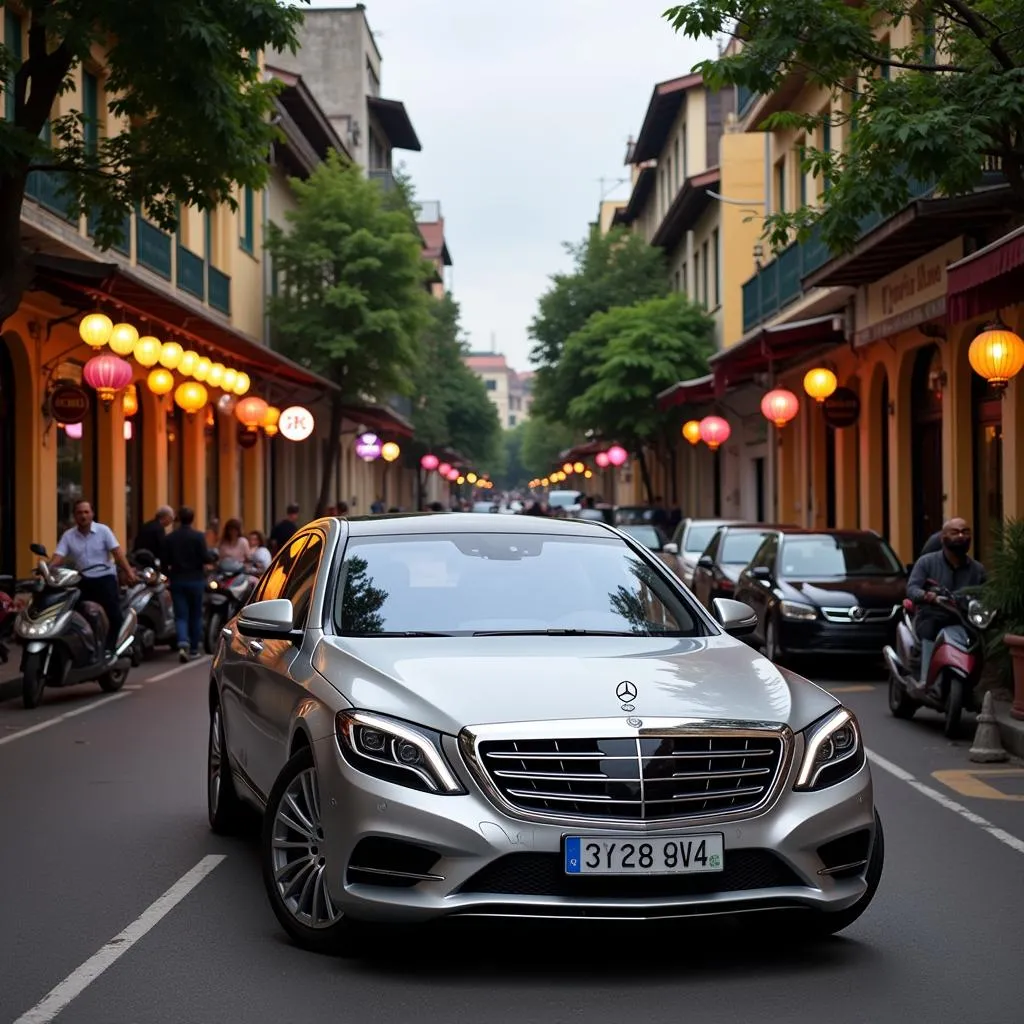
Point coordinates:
pixel 171 354
pixel 270 420
pixel 190 396
pixel 578 467
pixel 230 378
pixel 123 338
pixel 472 478
pixel 460 480
pixel 188 363
pixel 130 400
pixel 202 368
pixel 691 431
pixel 587 474
pixel 95 330
pixel 997 354
pixel 160 381
pixel 544 482
pixel 147 351
pixel 819 383
pixel 390 451
pixel 216 375
pixel 241 384
pixel 567 468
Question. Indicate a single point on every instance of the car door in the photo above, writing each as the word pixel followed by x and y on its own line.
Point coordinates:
pixel 703 575
pixel 277 678
pixel 756 582
pixel 673 558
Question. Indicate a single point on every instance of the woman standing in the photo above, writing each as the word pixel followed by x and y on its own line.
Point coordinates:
pixel 259 553
pixel 232 544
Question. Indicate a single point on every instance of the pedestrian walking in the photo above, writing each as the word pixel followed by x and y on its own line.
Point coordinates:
pixel 284 530
pixel 151 535
pixel 187 555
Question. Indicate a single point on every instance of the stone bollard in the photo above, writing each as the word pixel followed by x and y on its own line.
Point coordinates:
pixel 987 746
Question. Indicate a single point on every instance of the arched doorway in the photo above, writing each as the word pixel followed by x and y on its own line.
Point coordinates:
pixel 926 444
pixel 7 457
pixel 987 438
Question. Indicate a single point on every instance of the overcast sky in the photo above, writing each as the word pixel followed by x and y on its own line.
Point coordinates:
pixel 521 108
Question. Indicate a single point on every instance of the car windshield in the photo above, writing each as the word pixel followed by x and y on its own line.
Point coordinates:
pixel 646 535
pixel 740 546
pixel 463 584
pixel 698 538
pixel 564 499
pixel 827 556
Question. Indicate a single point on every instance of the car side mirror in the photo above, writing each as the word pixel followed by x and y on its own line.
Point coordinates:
pixel 670 549
pixel 706 562
pixel 735 617
pixel 761 572
pixel 37 549
pixel 269 620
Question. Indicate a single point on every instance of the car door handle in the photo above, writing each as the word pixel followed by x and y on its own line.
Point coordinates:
pixel 255 647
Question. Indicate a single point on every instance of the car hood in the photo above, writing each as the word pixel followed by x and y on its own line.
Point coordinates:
pixel 868 592
pixel 448 683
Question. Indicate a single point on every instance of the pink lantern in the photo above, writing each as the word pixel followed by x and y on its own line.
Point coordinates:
pixel 617 455
pixel 714 431
pixel 368 447
pixel 107 375
pixel 74 431
pixel 430 462
pixel 444 469
pixel 779 406
pixel 453 475
pixel 601 458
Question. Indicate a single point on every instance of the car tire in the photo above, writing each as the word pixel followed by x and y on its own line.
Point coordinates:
pixel 228 814
pixel 295 876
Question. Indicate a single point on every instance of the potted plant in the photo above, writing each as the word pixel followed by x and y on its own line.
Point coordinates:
pixel 1004 592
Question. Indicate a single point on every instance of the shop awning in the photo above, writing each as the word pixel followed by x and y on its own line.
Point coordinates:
pixel 987 279
pixel 379 418
pixel 87 284
pixel 697 389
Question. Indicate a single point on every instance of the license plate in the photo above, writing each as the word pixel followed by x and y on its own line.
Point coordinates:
pixel 630 855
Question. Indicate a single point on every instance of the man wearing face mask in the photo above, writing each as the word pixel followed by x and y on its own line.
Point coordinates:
pixel 951 568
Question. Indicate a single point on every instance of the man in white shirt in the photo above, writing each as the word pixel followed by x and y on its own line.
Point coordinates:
pixel 94 550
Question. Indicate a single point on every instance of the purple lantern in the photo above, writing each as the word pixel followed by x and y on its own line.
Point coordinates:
pixel 368 447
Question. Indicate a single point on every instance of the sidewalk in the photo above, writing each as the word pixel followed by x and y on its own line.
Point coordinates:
pixel 1011 730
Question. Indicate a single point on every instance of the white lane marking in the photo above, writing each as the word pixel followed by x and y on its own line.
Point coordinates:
pixel 951 805
pixel 39 726
pixel 177 668
pixel 79 980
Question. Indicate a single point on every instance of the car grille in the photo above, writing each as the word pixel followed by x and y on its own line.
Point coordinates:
pixel 636 779
pixel 543 874
pixel 859 615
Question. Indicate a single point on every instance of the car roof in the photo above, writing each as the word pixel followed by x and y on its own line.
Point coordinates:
pixel 762 527
pixel 399 524
pixel 807 532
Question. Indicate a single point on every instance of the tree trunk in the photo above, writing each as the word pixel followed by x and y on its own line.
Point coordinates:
pixel 331 453
pixel 641 458
pixel 16 264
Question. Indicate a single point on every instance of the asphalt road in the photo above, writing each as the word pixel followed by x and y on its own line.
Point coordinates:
pixel 102 813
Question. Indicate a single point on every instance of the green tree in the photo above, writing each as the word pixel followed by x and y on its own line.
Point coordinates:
pixel 627 355
pixel 616 269
pixel 937 111
pixel 177 75
pixel 352 301
pixel 543 441
pixel 514 471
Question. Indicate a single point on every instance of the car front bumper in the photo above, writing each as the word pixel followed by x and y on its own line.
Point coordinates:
pixel 823 637
pixel 480 861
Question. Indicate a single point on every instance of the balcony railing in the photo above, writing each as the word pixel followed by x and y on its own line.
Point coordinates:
pixel 153 248
pixel 218 286
pixel 125 245
pixel 191 272
pixel 384 178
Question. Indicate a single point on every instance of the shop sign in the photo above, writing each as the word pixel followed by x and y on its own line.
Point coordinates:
pixel 841 408
pixel 296 423
pixel 247 438
pixel 69 403
pixel 908 297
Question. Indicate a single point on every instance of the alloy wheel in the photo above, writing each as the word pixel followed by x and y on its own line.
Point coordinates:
pixel 216 762
pixel 297 854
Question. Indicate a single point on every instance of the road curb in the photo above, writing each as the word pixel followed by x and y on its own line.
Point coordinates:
pixel 1011 731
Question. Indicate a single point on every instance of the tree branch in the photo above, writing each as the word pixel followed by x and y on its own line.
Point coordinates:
pixel 974 23
pixel 886 62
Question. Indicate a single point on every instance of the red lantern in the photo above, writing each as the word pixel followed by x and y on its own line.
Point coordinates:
pixel 714 431
pixel 444 469
pixel 107 375
pixel 430 462
pixel 601 458
pixel 617 455
pixel 779 406
pixel 453 475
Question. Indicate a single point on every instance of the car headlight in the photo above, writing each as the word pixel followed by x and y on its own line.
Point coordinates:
pixel 213 585
pixel 833 751
pixel 979 615
pixel 800 612
pixel 396 752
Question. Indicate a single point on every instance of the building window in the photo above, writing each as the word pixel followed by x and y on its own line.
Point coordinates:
pixel 717 278
pixel 491 385
pixel 678 288
pixel 826 141
pixel 686 159
pixel 696 276
pixel 705 295
pixel 12 40
pixel 884 71
pixel 684 283
pixel 247 238
pixel 511 421
pixel 91 111
pixel 780 186
pixel 679 163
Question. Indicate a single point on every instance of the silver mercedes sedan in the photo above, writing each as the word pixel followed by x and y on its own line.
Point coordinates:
pixel 521 716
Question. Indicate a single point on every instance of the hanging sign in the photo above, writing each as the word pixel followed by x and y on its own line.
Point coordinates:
pixel 841 408
pixel 296 423
pixel 69 403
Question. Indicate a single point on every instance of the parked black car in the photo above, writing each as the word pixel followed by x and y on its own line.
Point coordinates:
pixel 824 592
pixel 728 552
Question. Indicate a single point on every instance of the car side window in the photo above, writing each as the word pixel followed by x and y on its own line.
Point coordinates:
pixel 298 588
pixel 711 551
pixel 274 578
pixel 765 557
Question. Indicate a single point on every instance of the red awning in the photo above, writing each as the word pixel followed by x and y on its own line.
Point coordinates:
pixel 987 279
pixel 698 389
pixel 583 451
pixel 379 418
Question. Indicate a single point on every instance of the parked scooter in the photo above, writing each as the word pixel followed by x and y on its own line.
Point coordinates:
pixel 227 590
pixel 956 663
pixel 150 598
pixel 7 616
pixel 63 638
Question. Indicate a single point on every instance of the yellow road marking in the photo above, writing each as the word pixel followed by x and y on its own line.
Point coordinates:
pixel 967 783
pixel 858 688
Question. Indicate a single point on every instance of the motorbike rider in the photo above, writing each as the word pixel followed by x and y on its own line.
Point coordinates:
pixel 952 569
pixel 95 550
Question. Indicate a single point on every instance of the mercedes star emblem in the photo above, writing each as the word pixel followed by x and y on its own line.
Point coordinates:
pixel 858 614
pixel 625 691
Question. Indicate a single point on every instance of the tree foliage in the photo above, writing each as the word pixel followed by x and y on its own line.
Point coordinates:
pixel 351 302
pixel 177 76
pixel 616 269
pixel 543 440
pixel 937 111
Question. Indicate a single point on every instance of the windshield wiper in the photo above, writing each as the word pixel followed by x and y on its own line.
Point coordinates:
pixel 558 632
pixel 394 633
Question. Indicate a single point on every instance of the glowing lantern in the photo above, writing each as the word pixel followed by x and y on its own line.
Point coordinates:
pixel 123 338
pixel 820 383
pixel 460 480
pixel 472 478
pixel 587 474
pixel 216 375
pixel 230 379
pixel 242 383
pixel 691 431
pixel 160 381
pixel 74 431
pixel 617 455
pixel 714 431
pixel 270 420
pixel 147 351
pixel 430 462
pixel 95 330
pixel 202 369
pixel 567 467
pixel 106 375
pixel 578 467
pixel 779 406
pixel 297 423
pixel 997 355
pixel 545 482
pixel 188 362
pixel 190 396
pixel 368 447
pixel 453 475
pixel 128 430
pixel 602 460
pixel 444 469
pixel 170 355
pixel 130 401
pixel 251 412
pixel 390 451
